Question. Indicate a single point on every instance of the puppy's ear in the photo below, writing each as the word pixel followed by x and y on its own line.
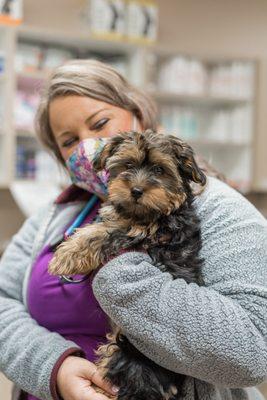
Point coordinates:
pixel 108 150
pixel 186 161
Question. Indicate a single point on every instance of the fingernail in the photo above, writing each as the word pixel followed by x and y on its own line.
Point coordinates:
pixel 115 389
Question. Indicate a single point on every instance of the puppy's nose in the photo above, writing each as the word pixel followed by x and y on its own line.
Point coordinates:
pixel 137 192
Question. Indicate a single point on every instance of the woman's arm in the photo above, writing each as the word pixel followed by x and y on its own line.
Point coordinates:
pixel 28 352
pixel 216 333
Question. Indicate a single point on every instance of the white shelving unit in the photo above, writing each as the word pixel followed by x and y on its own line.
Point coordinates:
pixel 6 108
pixel 200 100
pixel 209 103
pixel 232 155
pixel 30 81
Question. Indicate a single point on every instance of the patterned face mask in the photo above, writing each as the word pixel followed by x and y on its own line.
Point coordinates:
pixel 80 166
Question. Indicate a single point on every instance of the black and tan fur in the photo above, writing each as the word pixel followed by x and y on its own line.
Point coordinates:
pixel 149 207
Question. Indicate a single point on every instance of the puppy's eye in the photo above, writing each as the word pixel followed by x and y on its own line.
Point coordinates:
pixel 129 165
pixel 157 170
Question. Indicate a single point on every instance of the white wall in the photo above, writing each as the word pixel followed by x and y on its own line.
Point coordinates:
pixel 5 388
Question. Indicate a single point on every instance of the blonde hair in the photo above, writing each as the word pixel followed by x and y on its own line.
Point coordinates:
pixel 98 81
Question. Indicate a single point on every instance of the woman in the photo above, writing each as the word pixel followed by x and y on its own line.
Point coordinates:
pixel 216 334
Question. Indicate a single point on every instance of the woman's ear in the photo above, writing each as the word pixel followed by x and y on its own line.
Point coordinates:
pixel 108 150
pixel 186 161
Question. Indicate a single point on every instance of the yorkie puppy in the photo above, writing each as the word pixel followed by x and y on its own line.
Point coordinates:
pixel 149 207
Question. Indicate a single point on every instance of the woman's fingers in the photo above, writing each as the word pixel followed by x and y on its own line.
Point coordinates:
pixel 95 377
pixel 75 379
pixel 91 394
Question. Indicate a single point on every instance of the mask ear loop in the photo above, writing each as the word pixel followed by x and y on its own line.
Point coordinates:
pixel 134 123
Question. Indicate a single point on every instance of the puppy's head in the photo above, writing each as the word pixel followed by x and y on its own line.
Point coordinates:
pixel 150 173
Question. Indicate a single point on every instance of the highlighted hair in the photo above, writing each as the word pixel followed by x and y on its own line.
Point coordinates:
pixel 98 81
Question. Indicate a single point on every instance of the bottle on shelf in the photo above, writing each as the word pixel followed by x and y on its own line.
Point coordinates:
pixel 180 121
pixel 233 80
pixel 182 75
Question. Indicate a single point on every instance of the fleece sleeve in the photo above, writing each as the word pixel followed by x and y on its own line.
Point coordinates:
pixel 217 332
pixel 28 352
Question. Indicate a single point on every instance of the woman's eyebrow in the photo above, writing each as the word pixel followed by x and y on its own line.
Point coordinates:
pixel 63 134
pixel 94 114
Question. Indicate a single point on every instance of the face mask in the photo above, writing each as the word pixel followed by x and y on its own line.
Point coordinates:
pixel 80 165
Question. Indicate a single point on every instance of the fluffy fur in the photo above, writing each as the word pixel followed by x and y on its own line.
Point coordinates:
pixel 149 207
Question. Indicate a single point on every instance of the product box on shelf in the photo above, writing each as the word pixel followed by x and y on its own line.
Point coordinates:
pixel 142 21
pixel 182 75
pixel 216 125
pixel 11 12
pixel 28 58
pixel 53 57
pixel 32 58
pixel 107 18
pixel 25 107
pixel 234 79
pixel 134 20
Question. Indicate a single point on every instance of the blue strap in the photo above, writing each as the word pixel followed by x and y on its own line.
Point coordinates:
pixel 81 217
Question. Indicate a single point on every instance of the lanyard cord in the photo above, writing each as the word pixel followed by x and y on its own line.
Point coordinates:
pixel 77 222
pixel 81 217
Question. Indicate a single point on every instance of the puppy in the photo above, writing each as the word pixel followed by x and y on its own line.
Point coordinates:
pixel 149 208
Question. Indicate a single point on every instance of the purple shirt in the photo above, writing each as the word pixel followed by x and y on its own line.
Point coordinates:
pixel 69 309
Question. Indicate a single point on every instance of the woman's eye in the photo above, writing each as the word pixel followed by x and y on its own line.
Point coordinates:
pixel 69 142
pixel 129 165
pixel 158 170
pixel 99 125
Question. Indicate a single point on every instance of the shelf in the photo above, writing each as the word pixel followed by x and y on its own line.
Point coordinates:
pixel 32 75
pixel 25 133
pixel 135 57
pixel 218 143
pixel 78 39
pixel 168 97
pixel 165 51
pixel 38 182
pixel 34 183
pixel 25 181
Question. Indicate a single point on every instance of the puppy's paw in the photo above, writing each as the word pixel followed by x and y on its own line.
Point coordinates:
pixel 69 259
pixel 81 253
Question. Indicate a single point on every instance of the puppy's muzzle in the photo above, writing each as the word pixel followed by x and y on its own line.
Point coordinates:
pixel 137 192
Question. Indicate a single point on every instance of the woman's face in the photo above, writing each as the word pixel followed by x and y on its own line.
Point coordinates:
pixel 75 118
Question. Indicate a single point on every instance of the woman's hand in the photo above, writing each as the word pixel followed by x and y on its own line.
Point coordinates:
pixel 75 377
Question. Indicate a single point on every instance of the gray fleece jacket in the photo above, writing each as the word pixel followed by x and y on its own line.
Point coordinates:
pixel 216 334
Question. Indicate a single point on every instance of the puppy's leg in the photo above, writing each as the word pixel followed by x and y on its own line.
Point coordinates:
pixel 137 377
pixel 81 252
